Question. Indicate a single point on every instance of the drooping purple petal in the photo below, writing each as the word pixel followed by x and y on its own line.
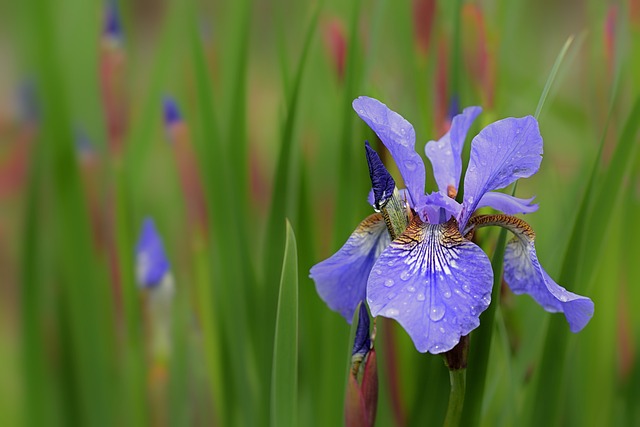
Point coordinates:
pixel 438 208
pixel 433 282
pixel 151 261
pixel 524 275
pixel 500 154
pixel 381 180
pixel 398 136
pixel 341 280
pixel 507 203
pixel 446 153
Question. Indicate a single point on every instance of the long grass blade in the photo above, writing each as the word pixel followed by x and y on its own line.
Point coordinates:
pixel 284 377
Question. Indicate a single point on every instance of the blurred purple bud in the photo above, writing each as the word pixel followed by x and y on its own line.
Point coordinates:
pixel 454 107
pixel 151 260
pixel 28 102
pixel 171 111
pixel 112 25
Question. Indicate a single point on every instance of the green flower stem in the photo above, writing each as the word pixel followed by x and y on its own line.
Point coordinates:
pixel 457 377
pixel 456 361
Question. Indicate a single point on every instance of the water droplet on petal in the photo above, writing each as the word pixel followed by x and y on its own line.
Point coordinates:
pixel 441 330
pixel 410 165
pixel 411 289
pixel 389 283
pixel 391 296
pixel 437 312
pixel 420 297
pixel 391 312
pixel 405 275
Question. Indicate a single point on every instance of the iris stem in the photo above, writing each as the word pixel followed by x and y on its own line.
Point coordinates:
pixel 457 377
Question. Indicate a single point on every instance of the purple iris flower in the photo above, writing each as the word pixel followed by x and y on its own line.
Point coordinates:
pixel 151 261
pixel 432 279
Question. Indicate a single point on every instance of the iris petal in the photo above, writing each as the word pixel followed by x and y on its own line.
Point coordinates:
pixel 507 203
pixel 433 203
pixel 524 275
pixel 341 280
pixel 500 154
pixel 398 136
pixel 433 282
pixel 446 153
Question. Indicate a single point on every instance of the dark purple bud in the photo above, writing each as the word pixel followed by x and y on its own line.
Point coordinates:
pixel 171 111
pixel 362 341
pixel 381 180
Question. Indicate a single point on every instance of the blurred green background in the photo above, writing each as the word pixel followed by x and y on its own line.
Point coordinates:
pixel 265 91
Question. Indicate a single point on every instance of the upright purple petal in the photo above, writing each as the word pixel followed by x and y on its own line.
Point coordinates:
pixel 398 136
pixel 524 275
pixel 446 153
pixel 500 154
pixel 151 261
pixel 507 203
pixel 433 282
pixel 341 280
pixel 438 207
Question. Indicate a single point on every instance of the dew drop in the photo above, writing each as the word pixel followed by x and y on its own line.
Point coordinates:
pixel 436 313
pixel 410 165
pixel 389 283
pixel 466 288
pixel 377 271
pixel 391 312
pixel 420 297
pixel 391 296
pixel 441 330
pixel 411 289
pixel 405 275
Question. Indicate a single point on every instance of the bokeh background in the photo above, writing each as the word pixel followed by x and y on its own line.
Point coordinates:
pixel 266 132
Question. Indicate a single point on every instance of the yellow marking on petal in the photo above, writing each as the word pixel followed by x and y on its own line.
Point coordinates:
pixel 415 233
pixel 516 225
pixel 451 191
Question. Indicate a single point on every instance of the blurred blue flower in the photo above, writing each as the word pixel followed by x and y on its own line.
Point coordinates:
pixel 151 261
pixel 432 279
pixel 112 27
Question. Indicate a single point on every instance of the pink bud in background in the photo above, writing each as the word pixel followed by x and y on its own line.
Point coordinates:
pixel 423 16
pixel 477 54
pixel 610 26
pixel 188 168
pixel 335 43
pixel 112 60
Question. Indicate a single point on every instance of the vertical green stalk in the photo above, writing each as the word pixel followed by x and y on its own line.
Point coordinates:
pixel 284 377
pixel 457 377
pixel 91 336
